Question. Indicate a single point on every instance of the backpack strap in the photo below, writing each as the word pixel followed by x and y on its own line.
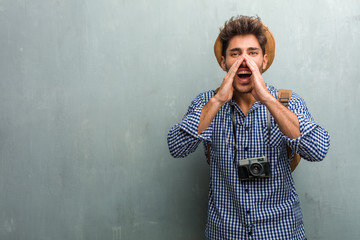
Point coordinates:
pixel 284 97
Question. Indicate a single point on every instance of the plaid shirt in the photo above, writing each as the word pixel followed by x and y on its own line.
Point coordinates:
pixel 266 208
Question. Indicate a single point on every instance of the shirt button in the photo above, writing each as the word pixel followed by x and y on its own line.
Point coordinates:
pixel 248 212
pixel 247 128
pixel 247 190
pixel 246 148
pixel 250 233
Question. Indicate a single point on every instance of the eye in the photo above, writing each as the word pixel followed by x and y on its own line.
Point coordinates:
pixel 253 53
pixel 234 54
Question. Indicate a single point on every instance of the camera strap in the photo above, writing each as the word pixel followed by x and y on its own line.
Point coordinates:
pixel 234 131
pixel 284 97
pixel 268 123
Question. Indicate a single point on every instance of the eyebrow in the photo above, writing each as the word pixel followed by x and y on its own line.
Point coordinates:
pixel 239 49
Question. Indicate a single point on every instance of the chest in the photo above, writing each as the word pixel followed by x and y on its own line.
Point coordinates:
pixel 252 133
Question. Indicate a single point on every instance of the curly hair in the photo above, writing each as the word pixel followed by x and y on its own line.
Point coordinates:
pixel 242 25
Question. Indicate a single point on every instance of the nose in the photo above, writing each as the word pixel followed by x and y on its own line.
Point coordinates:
pixel 243 64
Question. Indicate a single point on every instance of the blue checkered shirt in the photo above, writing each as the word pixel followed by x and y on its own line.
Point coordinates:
pixel 266 208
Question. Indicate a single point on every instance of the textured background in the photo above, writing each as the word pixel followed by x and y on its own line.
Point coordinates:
pixel 89 90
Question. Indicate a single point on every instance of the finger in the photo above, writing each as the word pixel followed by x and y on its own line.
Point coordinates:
pixel 234 68
pixel 251 64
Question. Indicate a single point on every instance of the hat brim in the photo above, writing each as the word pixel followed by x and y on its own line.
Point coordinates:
pixel 269 48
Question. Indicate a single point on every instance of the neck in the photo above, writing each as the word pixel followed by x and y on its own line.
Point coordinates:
pixel 244 101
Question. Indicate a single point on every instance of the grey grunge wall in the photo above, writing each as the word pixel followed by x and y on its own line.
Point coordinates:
pixel 89 90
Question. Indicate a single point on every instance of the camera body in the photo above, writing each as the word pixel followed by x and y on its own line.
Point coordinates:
pixel 254 168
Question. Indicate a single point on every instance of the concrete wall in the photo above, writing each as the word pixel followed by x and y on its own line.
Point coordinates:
pixel 89 90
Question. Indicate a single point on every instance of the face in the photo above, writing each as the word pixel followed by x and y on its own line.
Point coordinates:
pixel 239 46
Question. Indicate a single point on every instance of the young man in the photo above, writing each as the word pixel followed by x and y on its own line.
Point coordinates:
pixel 252 193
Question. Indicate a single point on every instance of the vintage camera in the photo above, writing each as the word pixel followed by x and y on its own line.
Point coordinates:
pixel 254 168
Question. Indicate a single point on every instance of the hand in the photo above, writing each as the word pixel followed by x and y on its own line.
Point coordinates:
pixel 259 90
pixel 226 90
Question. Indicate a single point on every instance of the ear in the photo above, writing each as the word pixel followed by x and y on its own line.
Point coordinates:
pixel 223 65
pixel 265 61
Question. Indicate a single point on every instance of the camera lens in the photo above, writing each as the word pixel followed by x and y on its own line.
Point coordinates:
pixel 256 169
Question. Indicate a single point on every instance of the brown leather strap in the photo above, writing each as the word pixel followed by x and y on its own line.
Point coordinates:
pixel 284 96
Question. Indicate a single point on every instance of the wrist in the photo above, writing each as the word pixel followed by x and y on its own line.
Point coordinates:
pixel 217 101
pixel 268 100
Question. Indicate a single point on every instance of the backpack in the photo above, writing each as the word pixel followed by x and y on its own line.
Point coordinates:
pixel 284 97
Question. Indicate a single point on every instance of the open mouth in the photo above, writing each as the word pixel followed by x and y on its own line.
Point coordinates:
pixel 244 73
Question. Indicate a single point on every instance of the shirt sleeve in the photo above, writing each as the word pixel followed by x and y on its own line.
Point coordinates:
pixel 183 138
pixel 314 141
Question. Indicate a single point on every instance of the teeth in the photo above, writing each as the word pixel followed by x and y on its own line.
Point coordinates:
pixel 244 72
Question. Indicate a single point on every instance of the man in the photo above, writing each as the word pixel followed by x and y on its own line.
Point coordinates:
pixel 243 123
